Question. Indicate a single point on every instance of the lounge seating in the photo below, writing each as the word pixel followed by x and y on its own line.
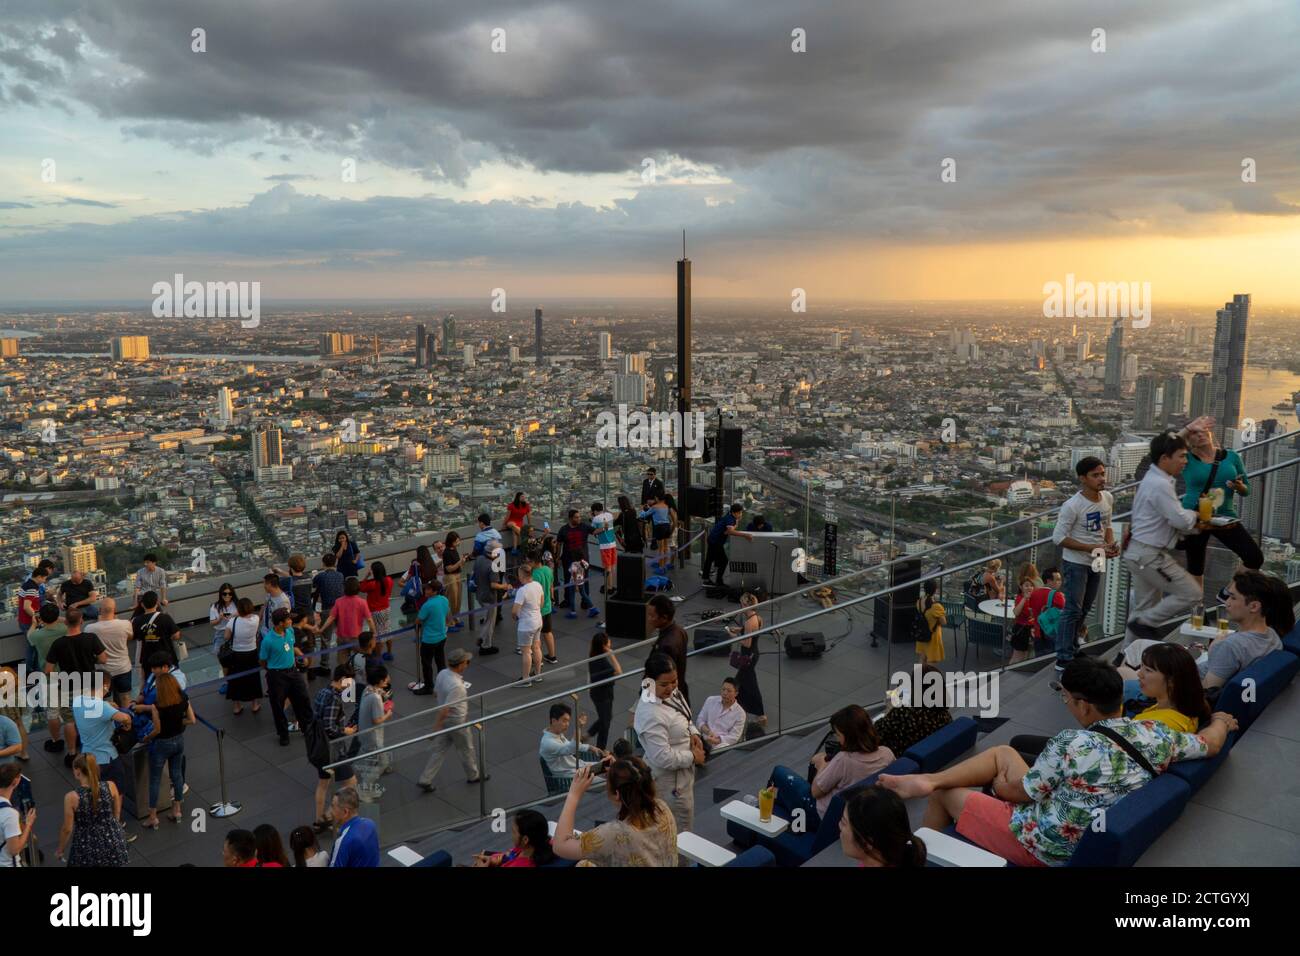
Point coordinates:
pixel 944 745
pixel 554 785
pixel 1253 689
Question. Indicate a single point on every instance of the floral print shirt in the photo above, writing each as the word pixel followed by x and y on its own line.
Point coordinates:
pixel 1080 773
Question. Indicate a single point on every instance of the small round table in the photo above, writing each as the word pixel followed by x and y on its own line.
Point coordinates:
pixel 996 608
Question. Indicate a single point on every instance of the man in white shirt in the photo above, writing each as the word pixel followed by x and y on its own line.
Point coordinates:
pixel 558 750
pixel 1082 528
pixel 527 612
pixel 454 700
pixel 1162 589
pixel 721 719
pixel 114 633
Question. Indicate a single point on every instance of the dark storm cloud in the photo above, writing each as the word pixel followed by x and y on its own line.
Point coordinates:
pixel 843 141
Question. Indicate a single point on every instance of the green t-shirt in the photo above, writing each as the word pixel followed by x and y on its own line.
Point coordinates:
pixel 1197 472
pixel 42 637
pixel 546 578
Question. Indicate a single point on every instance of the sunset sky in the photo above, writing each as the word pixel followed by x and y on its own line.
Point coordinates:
pixel 523 169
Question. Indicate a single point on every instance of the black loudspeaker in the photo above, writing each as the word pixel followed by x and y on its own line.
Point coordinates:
pixel 631 578
pixel 626 619
pixel 900 605
pixel 703 501
pixel 729 447
pixel 710 636
pixel 807 644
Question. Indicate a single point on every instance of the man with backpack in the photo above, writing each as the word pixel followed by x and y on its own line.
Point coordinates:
pixel 1046 607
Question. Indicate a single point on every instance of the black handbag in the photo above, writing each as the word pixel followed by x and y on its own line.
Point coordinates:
pixel 226 653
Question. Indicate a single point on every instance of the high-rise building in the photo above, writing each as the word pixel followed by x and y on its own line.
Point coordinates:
pixel 514 355
pixel 606 348
pixel 1085 347
pixel 430 350
pixel 448 333
pixel 79 557
pixel 336 343
pixel 1114 384
pixel 421 334
pixel 629 389
pixel 442 463
pixel 130 348
pixel 1200 401
pixel 537 334
pixel 1124 460
pixel 1174 403
pixel 1228 364
pixel 225 406
pixel 1130 368
pixel 634 363
pixel 468 354
pixel 1256 457
pixel 837 341
pixel 267 447
pixel 1193 337
pixel 1146 395
pixel 1115 585
pixel 9 347
pixel 1281 492
pixel 856 338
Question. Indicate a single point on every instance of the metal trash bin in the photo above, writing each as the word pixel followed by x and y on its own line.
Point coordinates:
pixel 136 800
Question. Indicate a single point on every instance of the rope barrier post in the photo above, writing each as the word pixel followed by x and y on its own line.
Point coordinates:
pixel 225 808
pixel 482 768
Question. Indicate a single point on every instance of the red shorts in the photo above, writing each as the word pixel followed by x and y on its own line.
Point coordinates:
pixel 986 821
pixel 608 558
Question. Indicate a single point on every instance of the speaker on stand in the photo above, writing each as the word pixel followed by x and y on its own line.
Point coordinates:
pixel 893 612
pixel 625 609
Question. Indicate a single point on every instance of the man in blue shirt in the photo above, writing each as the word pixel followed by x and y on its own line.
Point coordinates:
pixel 434 618
pixel 279 655
pixel 358 841
pixel 716 554
pixel 95 718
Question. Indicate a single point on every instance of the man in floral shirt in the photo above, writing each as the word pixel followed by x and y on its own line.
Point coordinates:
pixel 1041 812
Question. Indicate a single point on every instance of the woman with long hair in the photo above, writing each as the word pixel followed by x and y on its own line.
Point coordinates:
pixel 745 655
pixel 1169 677
pixel 1028 580
pixel 601 665
pixel 628 528
pixel 13 704
pixel 451 567
pixel 644 834
pixel 270 849
pixel 1220 474
pixel 171 714
pixel 91 835
pixel 532 843
pixel 222 614
pixel 858 754
pixel 306 849
pixel 517 513
pixel 875 831
pixel 347 555
pixel 245 683
pixel 378 590
pixel 931 608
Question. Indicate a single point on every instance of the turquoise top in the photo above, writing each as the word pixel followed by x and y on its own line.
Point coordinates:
pixel 1196 473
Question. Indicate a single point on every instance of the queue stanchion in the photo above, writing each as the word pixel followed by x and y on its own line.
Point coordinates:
pixel 227 807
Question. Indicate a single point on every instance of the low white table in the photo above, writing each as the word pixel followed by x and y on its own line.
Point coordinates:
pixel 945 850
pixel 1206 632
pixel 738 811
pixel 704 852
pixel 996 608
pixel 550 829
pixel 405 855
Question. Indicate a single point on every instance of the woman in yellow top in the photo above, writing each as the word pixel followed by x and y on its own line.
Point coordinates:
pixel 935 618
pixel 1168 675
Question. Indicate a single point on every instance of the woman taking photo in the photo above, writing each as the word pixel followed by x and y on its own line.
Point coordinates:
pixel 245 683
pixel 931 608
pixel 171 713
pixel 516 520
pixel 347 556
pixel 378 591
pixel 1220 474
pixel 90 819
pixel 451 566
pixel 644 833
pixel 602 664
pixel 222 614
pixel 532 843
pixel 1022 629
pixel 874 830
pixel 744 657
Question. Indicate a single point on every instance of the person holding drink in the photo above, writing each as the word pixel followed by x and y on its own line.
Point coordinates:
pixel 1212 478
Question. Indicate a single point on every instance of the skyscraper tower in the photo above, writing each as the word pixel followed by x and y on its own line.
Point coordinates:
pixel 468 356
pixel 1115 360
pixel 606 351
pixel 421 333
pixel 683 375
pixel 663 396
pixel 225 406
pixel 430 350
pixel 1145 394
pixel 448 333
pixel 267 449
pixel 537 334
pixel 1200 401
pixel 1174 404
pixel 1228 366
